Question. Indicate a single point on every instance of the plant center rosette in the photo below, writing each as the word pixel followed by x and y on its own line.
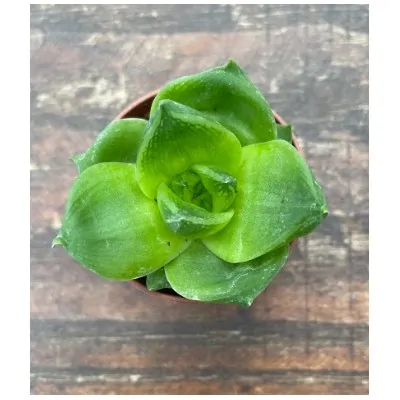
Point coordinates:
pixel 203 198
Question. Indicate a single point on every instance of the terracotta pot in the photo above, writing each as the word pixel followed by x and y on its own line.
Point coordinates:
pixel 140 109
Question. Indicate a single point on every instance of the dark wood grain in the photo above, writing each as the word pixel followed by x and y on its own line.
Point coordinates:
pixel 308 333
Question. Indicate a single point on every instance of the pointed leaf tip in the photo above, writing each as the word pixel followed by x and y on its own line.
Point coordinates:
pixel 58 240
pixel 232 66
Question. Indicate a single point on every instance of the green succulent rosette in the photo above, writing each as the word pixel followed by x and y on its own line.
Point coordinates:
pixel 204 198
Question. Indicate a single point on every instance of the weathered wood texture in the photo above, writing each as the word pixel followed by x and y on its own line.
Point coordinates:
pixel 308 333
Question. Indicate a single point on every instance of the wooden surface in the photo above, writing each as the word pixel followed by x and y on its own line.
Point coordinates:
pixel 308 333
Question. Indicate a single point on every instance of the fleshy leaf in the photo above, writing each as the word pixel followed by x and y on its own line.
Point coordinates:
pixel 219 184
pixel 187 219
pixel 284 132
pixel 157 280
pixel 278 199
pixel 227 95
pixel 198 274
pixel 187 185
pixel 118 142
pixel 112 228
pixel 178 137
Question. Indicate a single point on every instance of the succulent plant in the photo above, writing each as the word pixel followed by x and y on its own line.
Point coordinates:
pixel 204 198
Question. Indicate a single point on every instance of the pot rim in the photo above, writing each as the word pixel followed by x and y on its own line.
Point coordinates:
pixel 143 102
